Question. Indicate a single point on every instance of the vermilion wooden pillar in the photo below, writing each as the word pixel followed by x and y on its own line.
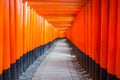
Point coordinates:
pixel 21 37
pixel 34 34
pixel 17 36
pixel 33 29
pixel 31 33
pixel 25 35
pixel 42 31
pixel 28 35
pixel 1 36
pixel 104 38
pixel 81 36
pixel 112 40
pixel 92 41
pixel 45 32
pixel 6 44
pixel 12 41
pixel 118 43
pixel 90 36
pixel 31 20
pixel 96 29
pixel 86 38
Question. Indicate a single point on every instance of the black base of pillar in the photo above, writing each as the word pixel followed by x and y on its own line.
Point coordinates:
pixel 103 74
pixel 97 71
pixel 13 71
pixel 18 68
pixel 24 62
pixel 6 75
pixel 110 77
pixel 90 67
pixel 0 76
pixel 93 69
pixel 87 63
pixel 117 78
pixel 30 57
pixel 84 60
pixel 21 65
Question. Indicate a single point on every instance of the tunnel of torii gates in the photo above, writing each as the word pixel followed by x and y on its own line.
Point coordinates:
pixel 94 34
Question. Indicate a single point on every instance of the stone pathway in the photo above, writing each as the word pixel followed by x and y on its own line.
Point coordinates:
pixel 57 65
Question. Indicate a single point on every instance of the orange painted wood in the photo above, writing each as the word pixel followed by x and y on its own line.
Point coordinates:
pixel 90 28
pixel 86 29
pixel 41 12
pixel 1 34
pixel 112 37
pixel 96 24
pixel 118 42
pixel 72 33
pixel 54 0
pixel 6 35
pixel 104 33
pixel 38 33
pixel 31 29
pixel 42 30
pixel 52 7
pixel 37 25
pixel 12 33
pixel 17 28
pixel 61 34
pixel 75 31
pixel 21 28
pixel 56 8
pixel 25 24
pixel 45 32
pixel 28 29
pixel 53 3
pixel 34 29
pixel 82 31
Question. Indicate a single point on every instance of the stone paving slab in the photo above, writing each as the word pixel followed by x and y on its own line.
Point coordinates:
pixel 55 76
pixel 57 65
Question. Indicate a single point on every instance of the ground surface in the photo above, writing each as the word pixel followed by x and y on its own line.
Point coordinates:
pixel 59 64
